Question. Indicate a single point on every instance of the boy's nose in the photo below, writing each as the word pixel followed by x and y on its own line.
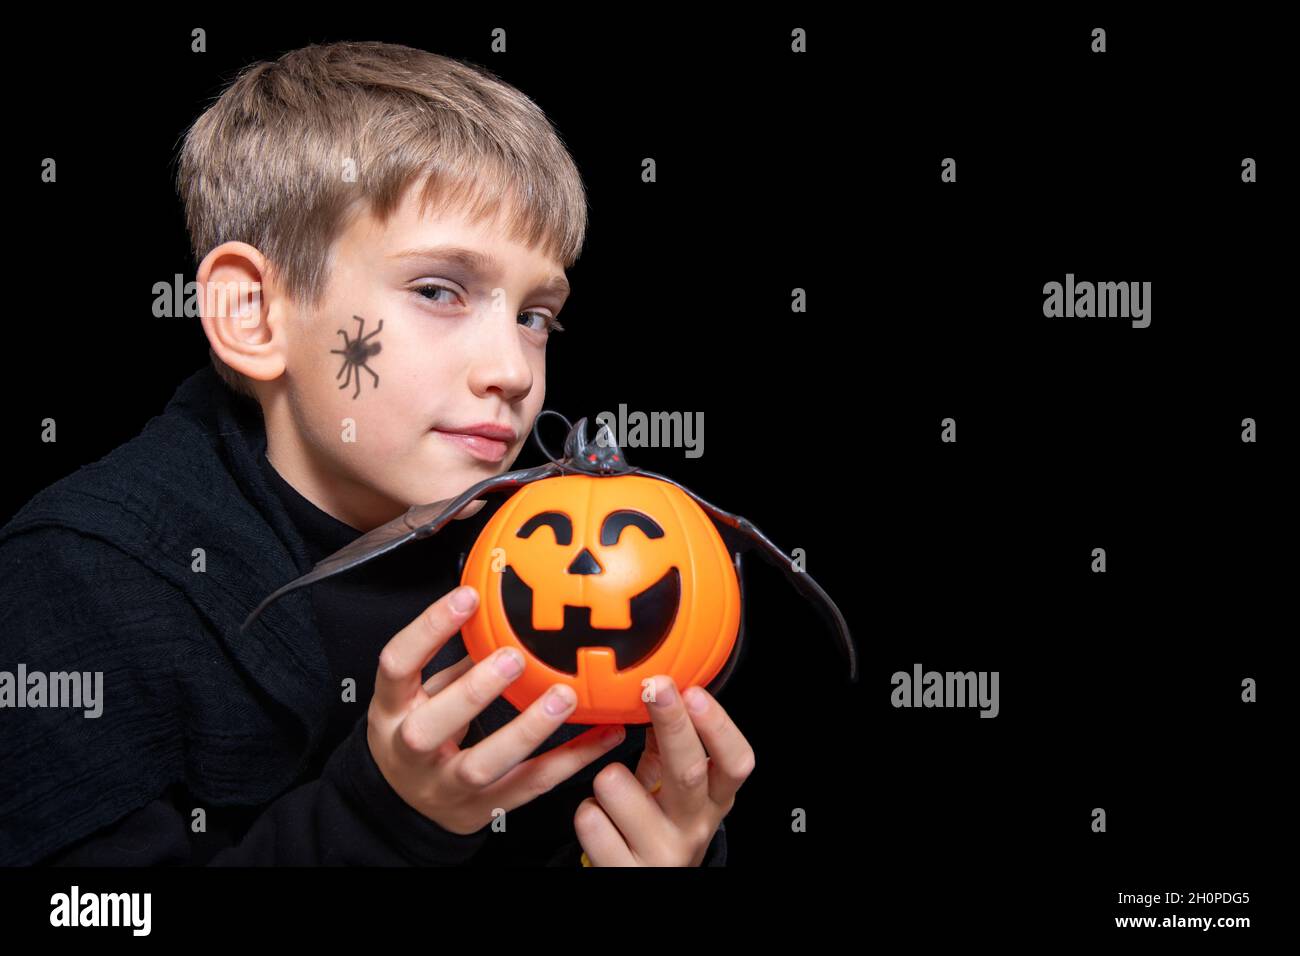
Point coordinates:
pixel 501 361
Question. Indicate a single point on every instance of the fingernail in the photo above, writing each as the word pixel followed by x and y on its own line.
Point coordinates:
pixel 664 693
pixel 463 599
pixel 558 700
pixel 696 700
pixel 509 662
pixel 612 735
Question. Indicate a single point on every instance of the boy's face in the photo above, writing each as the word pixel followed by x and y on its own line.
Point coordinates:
pixel 451 335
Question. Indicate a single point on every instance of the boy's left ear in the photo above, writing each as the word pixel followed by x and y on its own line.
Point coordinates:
pixel 235 311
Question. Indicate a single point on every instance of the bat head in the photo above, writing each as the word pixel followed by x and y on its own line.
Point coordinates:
pixel 600 456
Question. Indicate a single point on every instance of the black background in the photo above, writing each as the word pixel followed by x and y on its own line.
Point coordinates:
pixel 821 171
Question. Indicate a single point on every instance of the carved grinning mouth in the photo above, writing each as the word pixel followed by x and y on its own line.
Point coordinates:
pixel 653 612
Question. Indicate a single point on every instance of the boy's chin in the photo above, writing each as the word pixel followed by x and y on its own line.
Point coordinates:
pixel 456 476
pixel 470 510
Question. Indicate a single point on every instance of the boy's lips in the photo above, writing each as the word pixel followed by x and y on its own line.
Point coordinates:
pixel 478 440
pixel 485 430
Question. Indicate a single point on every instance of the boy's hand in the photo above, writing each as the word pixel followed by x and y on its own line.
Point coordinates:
pixel 414 728
pixel 666 814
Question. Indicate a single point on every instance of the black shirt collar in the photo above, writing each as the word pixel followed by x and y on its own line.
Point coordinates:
pixel 322 532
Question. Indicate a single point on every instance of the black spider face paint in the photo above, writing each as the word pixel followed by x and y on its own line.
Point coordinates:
pixel 357 352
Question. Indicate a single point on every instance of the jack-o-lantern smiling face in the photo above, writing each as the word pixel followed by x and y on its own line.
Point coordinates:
pixel 603 582
pixel 651 611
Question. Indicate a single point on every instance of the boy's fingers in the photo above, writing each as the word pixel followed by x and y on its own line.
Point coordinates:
pixel 731 758
pixel 402 660
pixel 683 761
pixel 444 677
pixel 650 772
pixel 545 771
pixel 427 726
pixel 626 803
pixel 649 769
pixel 448 674
pixel 603 844
pixel 493 756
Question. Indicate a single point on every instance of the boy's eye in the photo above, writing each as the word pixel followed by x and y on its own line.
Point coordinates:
pixel 549 324
pixel 430 293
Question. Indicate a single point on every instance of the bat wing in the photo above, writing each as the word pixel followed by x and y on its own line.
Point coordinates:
pixel 802 581
pixel 420 521
pixel 724 675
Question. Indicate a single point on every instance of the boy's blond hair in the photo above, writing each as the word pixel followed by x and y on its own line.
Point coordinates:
pixel 267 163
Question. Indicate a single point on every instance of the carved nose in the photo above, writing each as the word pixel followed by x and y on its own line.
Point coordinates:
pixel 584 563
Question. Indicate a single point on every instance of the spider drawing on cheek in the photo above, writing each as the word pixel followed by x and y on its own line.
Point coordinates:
pixel 356 352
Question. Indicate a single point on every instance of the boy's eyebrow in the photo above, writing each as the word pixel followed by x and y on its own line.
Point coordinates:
pixel 474 261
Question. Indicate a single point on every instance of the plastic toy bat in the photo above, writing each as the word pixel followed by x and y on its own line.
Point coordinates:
pixel 600 458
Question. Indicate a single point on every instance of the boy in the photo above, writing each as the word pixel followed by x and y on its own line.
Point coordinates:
pixel 382 235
